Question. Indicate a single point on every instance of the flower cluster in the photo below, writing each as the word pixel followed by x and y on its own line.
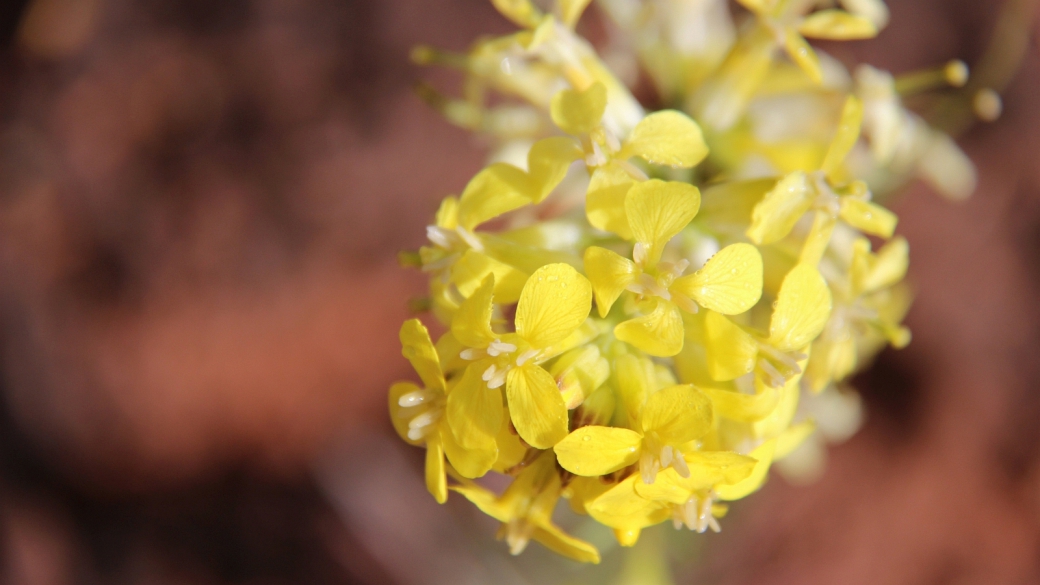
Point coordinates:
pixel 640 309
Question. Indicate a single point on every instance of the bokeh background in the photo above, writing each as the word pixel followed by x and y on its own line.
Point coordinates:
pixel 200 206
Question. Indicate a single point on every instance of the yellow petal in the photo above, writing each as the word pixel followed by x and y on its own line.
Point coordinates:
pixel 400 415
pixel 497 189
pixel 667 487
pixel 470 271
pixel 592 450
pixel 667 138
pixel 511 450
pixel 474 411
pixel 659 333
pixel 730 350
pixel 578 373
pixel 555 301
pixel 868 217
pixel 523 13
pixel 677 414
pixel 448 213
pixel 418 349
pixel 547 164
pixel 469 462
pixel 803 55
pixel 535 406
pixel 605 200
pixel 729 283
pixel 802 308
pixel 579 112
pixel 471 324
pixel 570 11
pixel 780 419
pixel 621 507
pixel 844 138
pixel 436 480
pixel 757 6
pixel 819 238
pixel 742 407
pixel 764 455
pixel 658 210
pixel 871 273
pixel 558 541
pixel 711 468
pixel 837 25
pixel 485 500
pixel 609 274
pixel 782 207
pixel 635 379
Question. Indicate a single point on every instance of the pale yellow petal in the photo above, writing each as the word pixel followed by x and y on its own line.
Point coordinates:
pixel 729 283
pixel 547 164
pixel 523 13
pixel 730 350
pixel 803 55
pixel 868 217
pixel 763 454
pixel 782 207
pixel 473 267
pixel 571 10
pixel 418 349
pixel 819 238
pixel 497 189
pixel 742 407
pixel 469 462
pixel 578 373
pixel 875 272
pixel 605 200
pixel 474 411
pixel 658 210
pixel 609 274
pixel 792 438
pixel 837 25
pixel 659 333
pixel 844 138
pixel 555 301
pixel 511 450
pixel 668 138
pixel 535 406
pixel 780 419
pixel 485 500
pixel 802 308
pixel 436 479
pixel 635 379
pixel 448 213
pixel 471 324
pixel 558 541
pixel 579 112
pixel 593 450
pixel 677 414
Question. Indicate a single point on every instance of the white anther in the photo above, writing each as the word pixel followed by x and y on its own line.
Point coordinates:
pixel 522 358
pixel 496 348
pixel 489 373
pixel 639 254
pixel 472 354
pixel 425 419
pixel 414 398
pixel 439 236
pixel 468 237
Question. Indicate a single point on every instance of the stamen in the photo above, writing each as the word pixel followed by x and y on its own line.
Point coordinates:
pixel 439 236
pixel 489 373
pixel 639 254
pixel 522 358
pixel 686 303
pixel 679 465
pixel 497 347
pixel 471 239
pixel 472 354
pixel 425 419
pixel 414 398
pixel 775 378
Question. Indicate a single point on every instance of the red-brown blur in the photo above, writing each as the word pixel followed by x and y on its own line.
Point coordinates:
pixel 201 203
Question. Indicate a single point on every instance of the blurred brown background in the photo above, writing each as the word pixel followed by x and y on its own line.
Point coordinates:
pixel 200 205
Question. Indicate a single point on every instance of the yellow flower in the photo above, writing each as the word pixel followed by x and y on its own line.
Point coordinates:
pixel 730 282
pixel 824 191
pixel 418 415
pixel 553 305
pixel 671 418
pixel 525 511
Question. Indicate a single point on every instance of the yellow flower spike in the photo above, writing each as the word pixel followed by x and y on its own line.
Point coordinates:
pixel 763 454
pixel 555 301
pixel 571 10
pixel 803 55
pixel 845 137
pixel 609 274
pixel 868 217
pixel 605 199
pixel 659 333
pixel 802 308
pixel 782 207
pixel 471 324
pixel 729 283
pixel 596 450
pixel 579 373
pixel 523 13
pixel 668 138
pixel 732 350
pixel 579 112
pixel 658 210
pixel 837 25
